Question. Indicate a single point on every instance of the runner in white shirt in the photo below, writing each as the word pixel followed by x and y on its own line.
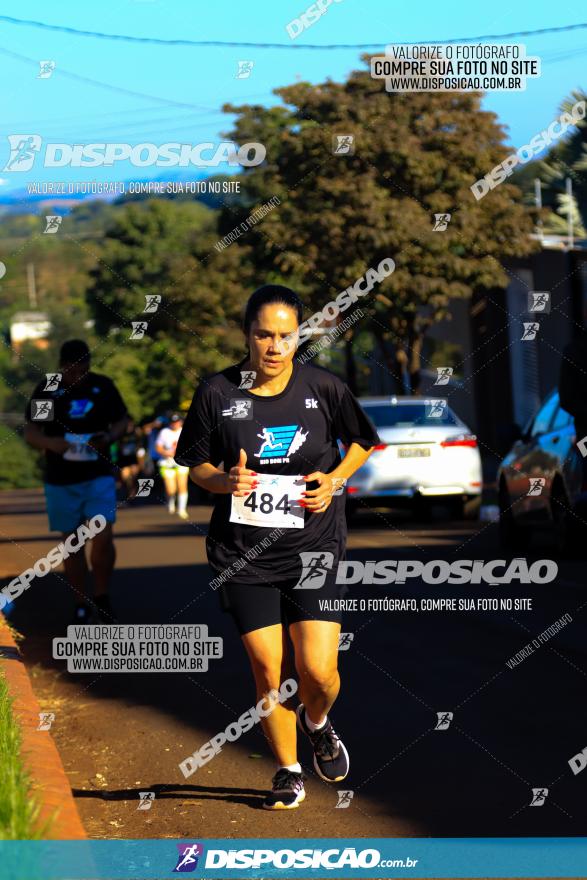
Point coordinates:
pixel 175 476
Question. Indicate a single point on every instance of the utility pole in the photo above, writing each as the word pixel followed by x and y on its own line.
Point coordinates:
pixel 30 277
pixel 538 203
pixel 569 184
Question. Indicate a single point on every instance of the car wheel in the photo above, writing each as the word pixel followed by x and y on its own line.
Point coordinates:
pixel 511 536
pixel 576 533
pixel 569 527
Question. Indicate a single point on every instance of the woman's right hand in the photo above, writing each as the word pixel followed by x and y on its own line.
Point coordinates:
pixel 241 480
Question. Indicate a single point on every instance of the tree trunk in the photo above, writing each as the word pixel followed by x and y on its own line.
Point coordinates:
pixel 393 360
pixel 414 368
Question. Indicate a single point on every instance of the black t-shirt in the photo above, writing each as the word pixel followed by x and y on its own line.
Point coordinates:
pixel 291 433
pixel 85 408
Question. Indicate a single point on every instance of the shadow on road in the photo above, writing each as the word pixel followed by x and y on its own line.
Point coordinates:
pixel 512 730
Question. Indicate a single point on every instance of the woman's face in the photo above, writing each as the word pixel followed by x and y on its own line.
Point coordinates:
pixel 272 338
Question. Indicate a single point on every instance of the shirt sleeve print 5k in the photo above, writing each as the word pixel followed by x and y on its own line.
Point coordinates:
pixel 293 434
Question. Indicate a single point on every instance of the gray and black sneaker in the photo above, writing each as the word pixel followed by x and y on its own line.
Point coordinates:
pixel 331 759
pixel 287 792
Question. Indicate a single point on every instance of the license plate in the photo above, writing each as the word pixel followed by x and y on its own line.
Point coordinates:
pixel 413 452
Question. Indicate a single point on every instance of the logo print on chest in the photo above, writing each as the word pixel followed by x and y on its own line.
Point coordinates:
pixel 281 440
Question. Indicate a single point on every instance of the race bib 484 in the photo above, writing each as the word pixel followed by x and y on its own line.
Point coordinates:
pixel 275 502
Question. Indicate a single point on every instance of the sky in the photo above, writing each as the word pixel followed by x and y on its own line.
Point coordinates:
pixel 74 110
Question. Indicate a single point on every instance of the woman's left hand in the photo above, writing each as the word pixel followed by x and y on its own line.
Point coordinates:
pixel 318 500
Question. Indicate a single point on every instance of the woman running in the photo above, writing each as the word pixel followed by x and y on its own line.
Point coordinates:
pixel 269 451
pixel 175 476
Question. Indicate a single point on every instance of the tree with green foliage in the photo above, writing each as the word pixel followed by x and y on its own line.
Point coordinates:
pixel 19 464
pixel 167 248
pixel 566 158
pixel 416 155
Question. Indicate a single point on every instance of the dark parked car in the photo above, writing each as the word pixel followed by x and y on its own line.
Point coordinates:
pixel 541 484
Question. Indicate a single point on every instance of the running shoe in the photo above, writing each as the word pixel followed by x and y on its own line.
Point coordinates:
pixel 287 792
pixel 183 514
pixel 171 506
pixel 331 759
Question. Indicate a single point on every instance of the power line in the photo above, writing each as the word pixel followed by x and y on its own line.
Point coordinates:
pixel 102 85
pixel 239 44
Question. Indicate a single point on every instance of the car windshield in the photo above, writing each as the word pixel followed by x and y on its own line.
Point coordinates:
pixel 409 415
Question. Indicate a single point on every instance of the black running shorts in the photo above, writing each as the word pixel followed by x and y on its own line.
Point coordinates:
pixel 255 606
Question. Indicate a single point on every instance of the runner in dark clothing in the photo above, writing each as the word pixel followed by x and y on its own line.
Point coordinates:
pixel 269 452
pixel 74 420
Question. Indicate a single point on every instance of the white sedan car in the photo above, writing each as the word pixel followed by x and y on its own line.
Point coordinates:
pixel 426 453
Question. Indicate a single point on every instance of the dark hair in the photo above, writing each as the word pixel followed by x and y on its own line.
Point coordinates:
pixel 74 351
pixel 271 293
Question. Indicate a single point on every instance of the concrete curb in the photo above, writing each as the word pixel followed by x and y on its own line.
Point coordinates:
pixel 49 782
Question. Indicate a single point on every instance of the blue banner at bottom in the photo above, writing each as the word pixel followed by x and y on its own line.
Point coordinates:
pixel 302 858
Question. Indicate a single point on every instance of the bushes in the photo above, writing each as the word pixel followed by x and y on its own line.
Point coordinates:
pixel 19 464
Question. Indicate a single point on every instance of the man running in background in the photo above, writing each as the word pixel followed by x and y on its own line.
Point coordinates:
pixel 74 419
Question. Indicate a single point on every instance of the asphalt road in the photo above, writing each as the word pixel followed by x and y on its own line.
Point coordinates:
pixel 512 730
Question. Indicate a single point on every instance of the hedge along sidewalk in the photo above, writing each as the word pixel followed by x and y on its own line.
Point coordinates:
pixel 49 783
